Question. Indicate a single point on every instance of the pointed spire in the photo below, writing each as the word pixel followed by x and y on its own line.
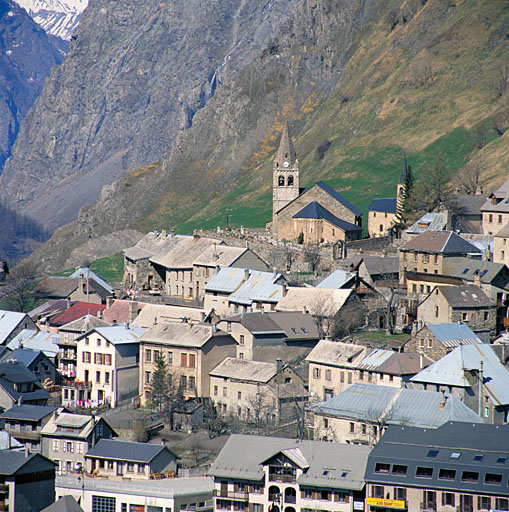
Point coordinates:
pixel 402 178
pixel 286 152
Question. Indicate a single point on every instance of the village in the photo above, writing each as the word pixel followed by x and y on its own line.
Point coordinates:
pixel 302 367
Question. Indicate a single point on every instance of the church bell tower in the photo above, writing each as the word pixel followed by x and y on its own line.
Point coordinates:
pixel 285 173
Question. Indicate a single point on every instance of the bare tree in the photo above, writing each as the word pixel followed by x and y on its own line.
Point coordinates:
pixel 140 431
pixel 324 310
pixel 312 256
pixel 469 178
pixel 19 289
pixel 215 422
pixel 349 318
pixel 261 412
pixel 289 257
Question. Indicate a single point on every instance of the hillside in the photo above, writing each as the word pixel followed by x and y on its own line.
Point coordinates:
pixel 425 78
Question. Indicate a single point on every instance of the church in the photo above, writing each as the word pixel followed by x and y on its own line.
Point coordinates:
pixel 316 214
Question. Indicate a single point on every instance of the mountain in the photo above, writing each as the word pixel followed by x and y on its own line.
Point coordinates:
pixel 135 75
pixel 57 17
pixel 361 81
pixel 27 56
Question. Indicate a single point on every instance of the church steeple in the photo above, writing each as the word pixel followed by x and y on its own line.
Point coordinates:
pixel 285 173
pixel 404 170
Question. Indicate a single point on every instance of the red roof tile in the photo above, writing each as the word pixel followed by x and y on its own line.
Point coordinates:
pixel 76 311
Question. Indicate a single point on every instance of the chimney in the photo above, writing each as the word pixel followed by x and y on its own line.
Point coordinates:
pixel 246 274
pixel 133 310
pixel 279 365
pixel 218 268
pixel 196 237
pixel 304 310
pixel 421 361
pixel 214 327
pixel 285 290
pixel 443 401
pixel 163 232
pixel 67 303
pixel 477 279
pixel 109 301
pixel 27 450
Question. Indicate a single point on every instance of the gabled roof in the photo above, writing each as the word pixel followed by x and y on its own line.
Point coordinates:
pixel 56 286
pixel 466 296
pixel 468 204
pixel 259 287
pixel 376 265
pixel 469 268
pixel 328 301
pixel 314 210
pixel 153 314
pixel 9 321
pixel 242 369
pixel 396 406
pixel 83 422
pixel 452 370
pixel 117 334
pixel 327 465
pixel 444 242
pixel 36 340
pixel 338 279
pixel 120 311
pixel 28 412
pixel 338 197
pixel 84 324
pixel 504 232
pixel 384 205
pixel 86 273
pixel 429 221
pixel 78 310
pixel 393 363
pixel 66 503
pixel 151 244
pixel 49 309
pixel 180 334
pixel 336 353
pixel 15 373
pixel 226 280
pixel 127 450
pixel 223 255
pixel 25 356
pixel 13 461
pixel 452 334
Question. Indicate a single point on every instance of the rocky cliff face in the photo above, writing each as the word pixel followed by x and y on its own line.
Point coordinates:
pixel 136 74
pixel 27 55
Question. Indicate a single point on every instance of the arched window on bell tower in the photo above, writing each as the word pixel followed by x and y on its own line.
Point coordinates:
pixel 281 181
pixel 290 181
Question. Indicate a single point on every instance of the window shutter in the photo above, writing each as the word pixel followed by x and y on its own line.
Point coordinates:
pixel 302 493
pixel 63 446
pixel 336 496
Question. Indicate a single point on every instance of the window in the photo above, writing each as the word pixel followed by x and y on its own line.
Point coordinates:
pixel 192 382
pixel 326 423
pixel 192 360
pixel 224 391
pixel 425 258
pixel 228 327
pixel 432 453
pixel 241 339
pixel 69 447
pixel 56 445
pixel 381 467
pixel 448 499
pixel 183 360
pixel 316 373
pixel 352 428
pixel 377 491
pixel 98 377
pixel 308 494
pixel 130 467
pixel 469 476
pixel 106 377
pixel 170 358
pixel 215 390
pixel 239 395
pixel 414 287
pixel 157 355
pixel 281 181
pixel 361 375
pixel 147 377
pixel 399 469
pixel 501 460
pixel 107 360
pixel 342 377
pixel 87 341
pixel 349 378
pixel 148 355
pixel 423 472
pixel 455 455
pixel 79 447
pixel 400 493
pixel 478 458
pixel 500 219
pixel 290 181
pixel 363 428
pixel 447 474
pixel 103 504
pixel 502 503
pixel 328 375
pixel 325 495
pixel 110 465
pixel 493 479
pixel 436 312
pixel 430 343
pixel 183 381
pixel 483 502
pixel 257 488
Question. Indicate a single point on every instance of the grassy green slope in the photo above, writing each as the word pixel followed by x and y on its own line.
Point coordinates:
pixel 428 103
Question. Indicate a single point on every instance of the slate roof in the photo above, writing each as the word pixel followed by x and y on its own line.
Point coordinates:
pixel 9 321
pixel 160 313
pixel 393 363
pixel 337 279
pixel 455 445
pixel 226 280
pixel 384 205
pixel 181 334
pixel 314 210
pixel 57 287
pixel 28 412
pixel 330 465
pixel 296 299
pixel 242 369
pixel 117 334
pixel 468 268
pixel 376 265
pixel 223 255
pixel 452 370
pixel 17 373
pixel 396 406
pixel 453 334
pixel 504 232
pixel 468 204
pixel 429 221
pixel 286 148
pixel 25 356
pixel 338 197
pixel 336 353
pixel 444 242
pixel 78 310
pixel 502 196
pixel 466 296
pixel 153 243
pixel 127 450
pixel 12 462
pixel 66 503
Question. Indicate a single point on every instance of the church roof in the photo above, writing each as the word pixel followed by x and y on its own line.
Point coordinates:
pixel 286 151
pixel 314 210
pixel 386 205
pixel 340 198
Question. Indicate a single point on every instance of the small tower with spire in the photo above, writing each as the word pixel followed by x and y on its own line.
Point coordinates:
pixel 285 173
pixel 401 187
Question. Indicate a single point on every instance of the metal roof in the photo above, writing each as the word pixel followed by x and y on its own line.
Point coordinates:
pixel 25 356
pixel 337 279
pixel 36 340
pixel 226 280
pixel 374 359
pixel 432 221
pixel 395 406
pixel 9 320
pixel 453 369
pixel 259 287
pixel 453 334
pixel 118 334
pixel 384 205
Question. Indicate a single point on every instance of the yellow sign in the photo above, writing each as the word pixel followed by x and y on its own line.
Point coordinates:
pixel 380 502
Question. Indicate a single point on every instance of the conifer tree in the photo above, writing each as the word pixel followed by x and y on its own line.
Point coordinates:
pixel 404 205
pixel 160 386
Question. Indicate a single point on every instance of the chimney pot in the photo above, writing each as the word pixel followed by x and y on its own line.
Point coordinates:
pixel 163 232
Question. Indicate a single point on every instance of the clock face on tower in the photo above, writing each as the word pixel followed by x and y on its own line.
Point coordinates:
pixel 285 164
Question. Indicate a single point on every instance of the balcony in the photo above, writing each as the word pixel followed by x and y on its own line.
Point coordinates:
pixel 78 384
pixel 32 435
pixel 282 478
pixel 235 495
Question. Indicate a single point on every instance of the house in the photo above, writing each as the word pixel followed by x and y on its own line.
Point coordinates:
pixel 190 353
pixel 501 247
pixel 361 413
pixel 68 346
pixel 75 311
pixel 319 213
pixel 127 459
pixel 431 221
pixel 120 311
pixel 25 422
pixel 326 306
pixel 458 466
pixel 12 323
pixel 188 415
pixel 107 367
pixel 495 210
pixel 374 269
pixel 66 438
pixel 475 375
pixel 36 361
pixel 83 287
pixel 466 303
pixel 466 213
pixel 437 340
pixel 345 280
pixel 43 315
pixel 19 385
pixel 266 336
pixel 173 494
pixel 36 340
pixel 27 481
pixel 249 390
pixel 332 367
pixel 428 252
pixel 153 314
pixel 270 473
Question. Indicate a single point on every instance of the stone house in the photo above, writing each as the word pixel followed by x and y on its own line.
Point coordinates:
pixel 25 422
pixel 437 340
pixel 501 246
pixel 12 323
pixel 80 288
pixel 362 413
pixel 107 367
pixel 453 304
pixel 276 474
pixel 110 458
pixel 250 390
pixel 466 213
pixel 293 211
pixel 67 437
pixel 495 210
pixel 474 375
pixel 428 252
pixel 265 336
pixel 190 352
pixel 35 360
